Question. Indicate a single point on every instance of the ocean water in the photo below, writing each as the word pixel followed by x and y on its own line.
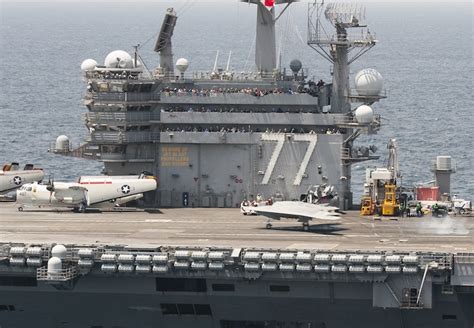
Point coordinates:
pixel 425 54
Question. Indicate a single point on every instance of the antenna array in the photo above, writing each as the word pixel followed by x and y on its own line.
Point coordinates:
pixel 343 17
pixel 345 13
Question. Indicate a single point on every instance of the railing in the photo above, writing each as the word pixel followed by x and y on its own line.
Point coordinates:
pixel 116 74
pixel 345 119
pixel 81 151
pixel 357 155
pixel 123 137
pixel 438 261
pixel 345 153
pixel 141 156
pixel 126 96
pixel 354 94
pixel 120 117
pixel 356 39
pixel 62 275
pixel 464 258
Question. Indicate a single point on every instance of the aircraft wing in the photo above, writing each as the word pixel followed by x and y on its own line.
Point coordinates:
pixel 298 210
pixel 70 193
pixel 10 180
pixel 102 189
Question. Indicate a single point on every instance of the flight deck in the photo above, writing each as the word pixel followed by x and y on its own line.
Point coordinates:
pixel 170 264
pixel 205 227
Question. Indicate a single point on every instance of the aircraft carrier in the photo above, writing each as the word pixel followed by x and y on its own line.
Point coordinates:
pixel 214 140
pixel 217 268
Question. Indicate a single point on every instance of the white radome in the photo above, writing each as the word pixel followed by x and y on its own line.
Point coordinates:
pixel 62 143
pixel 118 59
pixel 88 65
pixel 364 114
pixel 59 251
pixel 55 265
pixel 368 82
pixel 182 65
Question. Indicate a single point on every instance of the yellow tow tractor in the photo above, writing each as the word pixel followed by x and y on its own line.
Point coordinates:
pixel 390 203
pixel 367 207
pixel 380 189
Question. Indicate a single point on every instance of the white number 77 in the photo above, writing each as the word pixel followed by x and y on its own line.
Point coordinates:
pixel 280 139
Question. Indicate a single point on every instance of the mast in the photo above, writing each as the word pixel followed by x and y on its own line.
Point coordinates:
pixel 336 49
pixel 265 46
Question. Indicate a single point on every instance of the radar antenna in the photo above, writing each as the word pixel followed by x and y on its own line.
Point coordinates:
pixel 337 46
pixel 345 13
pixel 342 16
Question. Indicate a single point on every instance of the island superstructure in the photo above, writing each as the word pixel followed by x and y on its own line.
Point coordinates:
pixel 217 138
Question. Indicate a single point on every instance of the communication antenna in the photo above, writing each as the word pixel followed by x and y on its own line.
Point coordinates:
pixel 348 14
pixel 337 46
pixel 215 62
pixel 228 62
pixel 342 16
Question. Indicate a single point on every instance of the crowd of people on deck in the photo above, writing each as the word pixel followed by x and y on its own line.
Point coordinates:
pixel 245 129
pixel 231 109
pixel 257 92
pixel 112 75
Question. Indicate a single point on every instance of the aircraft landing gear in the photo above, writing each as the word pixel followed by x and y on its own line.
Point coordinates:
pixel 305 226
pixel 82 208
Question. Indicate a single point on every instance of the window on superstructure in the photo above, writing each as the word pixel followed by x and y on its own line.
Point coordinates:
pixel 279 288
pixel 223 287
pixel 185 309
pixel 181 285
pixel 7 308
pixel 269 323
pixel 18 281
pixel 202 309
pixel 167 309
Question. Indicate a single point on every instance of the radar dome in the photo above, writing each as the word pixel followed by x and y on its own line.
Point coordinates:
pixel 59 251
pixel 88 65
pixel 296 65
pixel 118 59
pixel 62 143
pixel 368 82
pixel 364 114
pixel 182 65
pixel 55 265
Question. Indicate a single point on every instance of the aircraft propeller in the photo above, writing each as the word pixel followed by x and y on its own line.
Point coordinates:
pixel 50 187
